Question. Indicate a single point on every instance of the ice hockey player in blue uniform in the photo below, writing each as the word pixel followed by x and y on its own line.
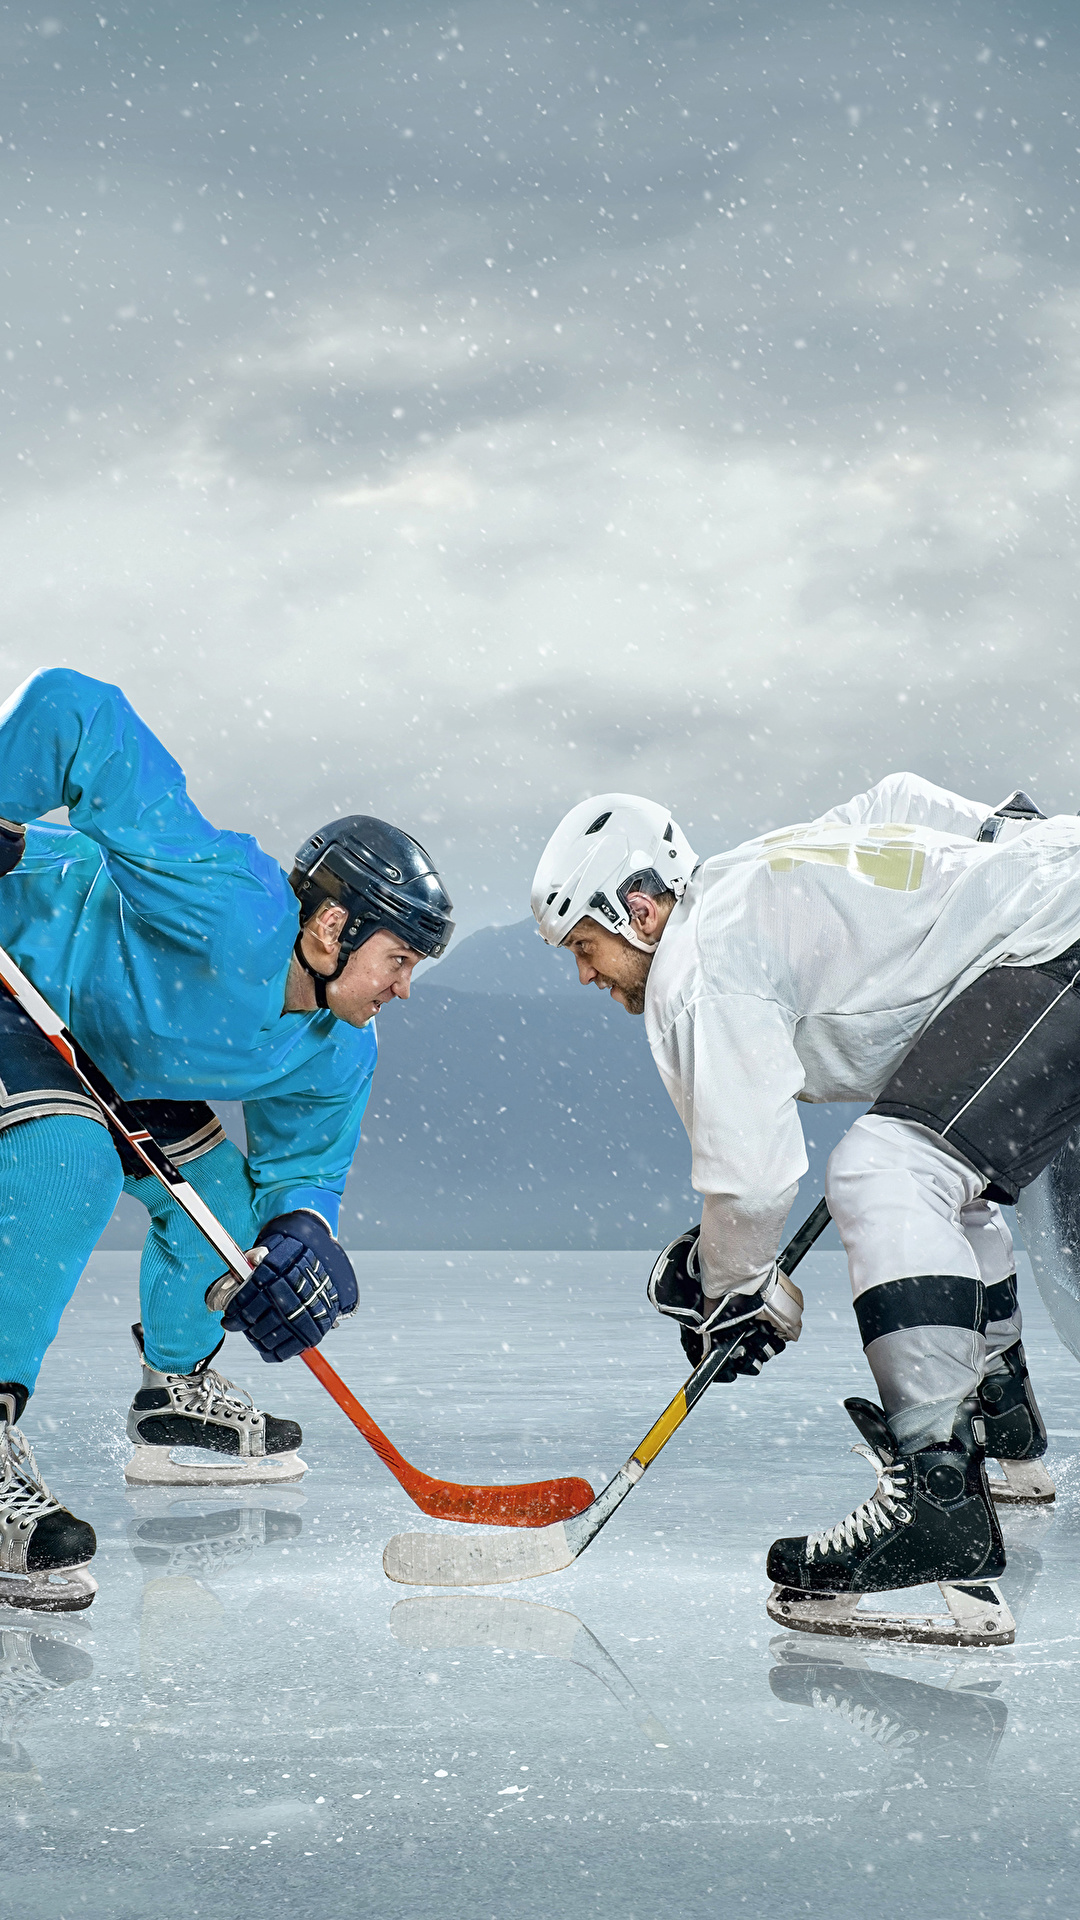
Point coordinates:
pixel 172 950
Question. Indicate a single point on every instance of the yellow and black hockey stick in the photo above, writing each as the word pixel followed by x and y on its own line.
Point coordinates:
pixel 480 1560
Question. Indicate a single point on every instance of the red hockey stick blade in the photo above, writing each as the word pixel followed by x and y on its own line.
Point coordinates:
pixel 538 1503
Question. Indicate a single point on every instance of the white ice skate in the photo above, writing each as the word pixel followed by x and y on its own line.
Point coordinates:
pixel 44 1550
pixel 236 1443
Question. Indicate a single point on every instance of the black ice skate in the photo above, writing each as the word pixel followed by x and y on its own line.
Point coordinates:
pixel 238 1444
pixel 1015 1434
pixel 44 1550
pixel 931 1519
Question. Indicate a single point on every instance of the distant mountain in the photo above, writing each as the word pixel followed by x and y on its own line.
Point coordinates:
pixel 503 960
pixel 514 1108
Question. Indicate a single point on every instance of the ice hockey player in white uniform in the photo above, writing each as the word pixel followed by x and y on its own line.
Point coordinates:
pixel 909 948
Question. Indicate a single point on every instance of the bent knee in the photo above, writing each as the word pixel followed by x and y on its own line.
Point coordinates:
pixel 867 1151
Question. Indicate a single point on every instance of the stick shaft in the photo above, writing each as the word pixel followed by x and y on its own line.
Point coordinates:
pixel 583 1527
pixel 120 1116
pixel 704 1375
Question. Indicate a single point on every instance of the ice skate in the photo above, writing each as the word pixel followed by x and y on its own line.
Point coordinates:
pixel 1015 1434
pixel 44 1550
pixel 239 1445
pixel 930 1520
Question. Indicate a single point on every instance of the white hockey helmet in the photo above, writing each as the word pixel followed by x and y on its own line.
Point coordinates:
pixel 607 848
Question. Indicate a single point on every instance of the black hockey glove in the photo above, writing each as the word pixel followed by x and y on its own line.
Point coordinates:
pixel 771 1317
pixel 302 1286
pixel 12 844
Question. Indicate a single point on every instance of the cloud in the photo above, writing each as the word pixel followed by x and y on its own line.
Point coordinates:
pixel 690 411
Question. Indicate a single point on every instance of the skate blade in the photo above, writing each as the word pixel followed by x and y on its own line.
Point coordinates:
pixel 67 1590
pixel 155 1467
pixel 1026 1483
pixel 977 1617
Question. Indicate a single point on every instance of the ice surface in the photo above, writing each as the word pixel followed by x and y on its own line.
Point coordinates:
pixel 250 1720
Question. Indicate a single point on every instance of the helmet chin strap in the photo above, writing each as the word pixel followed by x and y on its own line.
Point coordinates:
pixel 635 940
pixel 321 980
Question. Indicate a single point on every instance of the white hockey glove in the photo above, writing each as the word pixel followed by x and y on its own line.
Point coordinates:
pixel 771 1315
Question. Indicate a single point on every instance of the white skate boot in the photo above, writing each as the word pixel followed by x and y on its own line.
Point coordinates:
pixel 44 1550
pixel 237 1443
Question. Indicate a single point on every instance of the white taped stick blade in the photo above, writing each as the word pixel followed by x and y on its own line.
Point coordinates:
pixel 475 1559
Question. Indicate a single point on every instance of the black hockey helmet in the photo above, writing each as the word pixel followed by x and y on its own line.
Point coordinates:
pixel 382 877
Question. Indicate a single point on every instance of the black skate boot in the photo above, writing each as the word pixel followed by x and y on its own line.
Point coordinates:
pixel 240 1446
pixel 44 1549
pixel 1015 1434
pixel 931 1519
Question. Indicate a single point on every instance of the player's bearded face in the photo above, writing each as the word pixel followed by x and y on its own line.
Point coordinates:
pixel 607 961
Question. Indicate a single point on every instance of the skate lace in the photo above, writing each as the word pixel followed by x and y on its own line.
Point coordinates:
pixel 887 1507
pixel 23 1493
pixel 210 1394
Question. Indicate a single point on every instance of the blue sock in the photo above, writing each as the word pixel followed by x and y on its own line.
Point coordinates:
pixel 178 1264
pixel 60 1179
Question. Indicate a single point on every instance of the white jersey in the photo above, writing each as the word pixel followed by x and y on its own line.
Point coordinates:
pixel 805 963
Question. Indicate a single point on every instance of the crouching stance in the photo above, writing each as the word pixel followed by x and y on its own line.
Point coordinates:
pixel 171 949
pixel 914 949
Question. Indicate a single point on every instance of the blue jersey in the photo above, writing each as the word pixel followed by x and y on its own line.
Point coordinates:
pixel 164 943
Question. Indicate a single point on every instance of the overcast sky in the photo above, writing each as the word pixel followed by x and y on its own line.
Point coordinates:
pixel 450 412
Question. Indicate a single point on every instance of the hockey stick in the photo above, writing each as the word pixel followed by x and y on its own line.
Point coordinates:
pixel 535 1504
pixel 438 1560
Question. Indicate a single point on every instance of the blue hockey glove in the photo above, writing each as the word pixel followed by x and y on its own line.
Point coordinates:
pixel 303 1285
pixel 12 844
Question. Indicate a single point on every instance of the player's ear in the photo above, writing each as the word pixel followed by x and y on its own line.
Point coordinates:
pixel 327 923
pixel 644 913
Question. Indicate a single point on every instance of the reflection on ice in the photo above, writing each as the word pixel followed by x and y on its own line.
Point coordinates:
pixel 181 1544
pixel 520 1626
pixel 253 1739
pixel 32 1666
pixel 186 1537
pixel 935 1734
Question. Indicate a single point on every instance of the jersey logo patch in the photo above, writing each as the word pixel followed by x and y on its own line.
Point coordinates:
pixel 883 856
